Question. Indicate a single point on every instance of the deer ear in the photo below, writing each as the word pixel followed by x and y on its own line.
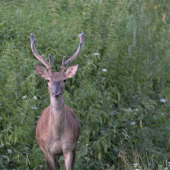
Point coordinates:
pixel 71 71
pixel 41 71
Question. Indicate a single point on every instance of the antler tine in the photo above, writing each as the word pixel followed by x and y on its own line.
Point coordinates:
pixel 37 55
pixel 63 66
pixel 50 61
pixel 81 36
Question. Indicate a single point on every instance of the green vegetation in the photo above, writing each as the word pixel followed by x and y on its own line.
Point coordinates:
pixel 121 92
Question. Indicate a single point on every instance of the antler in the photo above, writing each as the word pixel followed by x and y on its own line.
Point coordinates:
pixel 40 58
pixel 66 63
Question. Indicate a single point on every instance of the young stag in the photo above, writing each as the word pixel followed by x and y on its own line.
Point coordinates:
pixel 58 128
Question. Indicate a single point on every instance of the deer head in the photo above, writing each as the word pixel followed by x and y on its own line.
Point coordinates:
pixel 56 80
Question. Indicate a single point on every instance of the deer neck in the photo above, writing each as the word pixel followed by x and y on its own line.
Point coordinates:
pixel 57 105
pixel 58 116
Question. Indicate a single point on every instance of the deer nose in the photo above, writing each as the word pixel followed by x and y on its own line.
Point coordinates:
pixel 56 94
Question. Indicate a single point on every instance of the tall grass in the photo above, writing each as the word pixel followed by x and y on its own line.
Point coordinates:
pixel 123 75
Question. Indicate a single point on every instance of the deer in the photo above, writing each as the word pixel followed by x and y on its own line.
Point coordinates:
pixel 58 128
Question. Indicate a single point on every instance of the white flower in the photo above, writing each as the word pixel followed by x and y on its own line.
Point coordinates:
pixel 9 151
pixel 166 168
pixel 163 100
pixel 133 123
pixel 129 109
pixel 35 98
pixel 135 165
pixel 104 70
pixel 24 97
pixel 96 54
pixel 38 117
pixel 136 109
pixel 87 144
pixel 137 169
pixel 34 107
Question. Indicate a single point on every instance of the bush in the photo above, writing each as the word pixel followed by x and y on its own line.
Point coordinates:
pixel 120 93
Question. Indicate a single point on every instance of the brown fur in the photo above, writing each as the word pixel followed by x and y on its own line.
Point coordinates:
pixel 71 133
pixel 42 133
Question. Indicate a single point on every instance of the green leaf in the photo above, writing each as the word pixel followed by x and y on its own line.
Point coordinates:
pixel 99 155
pixel 105 147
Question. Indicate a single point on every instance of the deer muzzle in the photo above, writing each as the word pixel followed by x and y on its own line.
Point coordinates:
pixel 56 94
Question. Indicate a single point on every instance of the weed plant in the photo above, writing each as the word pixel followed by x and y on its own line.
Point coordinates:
pixel 121 92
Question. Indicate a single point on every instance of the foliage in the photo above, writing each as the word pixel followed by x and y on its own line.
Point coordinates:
pixel 121 92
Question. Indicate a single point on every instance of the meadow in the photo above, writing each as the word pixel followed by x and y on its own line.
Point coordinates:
pixel 121 92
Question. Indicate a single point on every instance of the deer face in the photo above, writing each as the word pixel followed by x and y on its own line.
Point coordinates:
pixel 56 80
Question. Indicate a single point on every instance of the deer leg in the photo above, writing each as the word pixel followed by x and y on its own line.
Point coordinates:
pixel 68 158
pixel 52 163
pixel 74 156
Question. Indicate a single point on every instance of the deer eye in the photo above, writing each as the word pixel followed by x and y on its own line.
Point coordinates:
pixel 64 80
pixel 48 80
